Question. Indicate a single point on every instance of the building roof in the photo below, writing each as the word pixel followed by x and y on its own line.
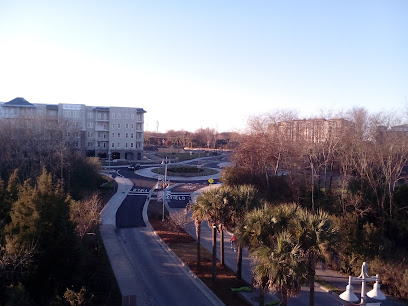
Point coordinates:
pixel 21 102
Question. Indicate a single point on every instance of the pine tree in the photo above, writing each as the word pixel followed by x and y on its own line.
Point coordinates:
pixel 40 226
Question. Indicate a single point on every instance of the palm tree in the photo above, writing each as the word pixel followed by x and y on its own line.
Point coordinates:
pixel 209 206
pixel 260 231
pixel 279 268
pixel 317 237
pixel 239 200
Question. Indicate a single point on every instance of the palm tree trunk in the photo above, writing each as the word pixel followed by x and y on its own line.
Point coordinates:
pixel 222 259
pixel 239 262
pixel 283 297
pixel 261 298
pixel 214 253
pixel 311 281
pixel 198 235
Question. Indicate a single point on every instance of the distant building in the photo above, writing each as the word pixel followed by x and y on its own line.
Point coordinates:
pixel 311 130
pixel 95 130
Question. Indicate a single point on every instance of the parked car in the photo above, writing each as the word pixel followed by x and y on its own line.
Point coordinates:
pixel 134 167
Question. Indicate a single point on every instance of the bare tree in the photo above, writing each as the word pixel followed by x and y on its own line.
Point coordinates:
pixel 85 214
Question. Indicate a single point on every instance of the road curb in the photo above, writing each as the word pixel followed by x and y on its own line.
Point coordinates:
pixel 186 270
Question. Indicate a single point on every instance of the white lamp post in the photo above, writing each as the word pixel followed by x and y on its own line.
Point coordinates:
pixel 164 185
pixel 109 156
pixel 375 293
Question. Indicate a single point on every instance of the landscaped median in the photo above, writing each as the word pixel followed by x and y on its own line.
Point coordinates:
pixel 185 247
pixel 185 171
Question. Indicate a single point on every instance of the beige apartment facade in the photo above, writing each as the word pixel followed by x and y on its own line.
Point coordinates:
pixel 312 130
pixel 98 131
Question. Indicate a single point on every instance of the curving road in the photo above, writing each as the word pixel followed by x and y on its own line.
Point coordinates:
pixel 162 277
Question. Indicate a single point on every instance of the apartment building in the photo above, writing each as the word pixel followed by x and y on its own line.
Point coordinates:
pixel 312 130
pixel 98 131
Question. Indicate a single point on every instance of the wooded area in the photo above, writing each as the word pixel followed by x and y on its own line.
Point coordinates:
pixel 356 173
pixel 50 201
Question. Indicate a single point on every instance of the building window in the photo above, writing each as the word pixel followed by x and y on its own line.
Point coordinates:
pixel 131 144
pixel 99 134
pixel 90 125
pixel 99 144
pixel 90 115
pixel 76 134
pixel 126 145
pixel 132 126
pixel 118 116
pixel 99 115
pixel 132 116
pixel 139 117
pixel 118 125
pixel 118 135
pixel 126 116
pixel 127 135
pixel 113 125
pixel 113 144
pixel 113 135
pixel 118 145
pixel 131 135
pixel 127 125
pixel 138 126
pixel 113 115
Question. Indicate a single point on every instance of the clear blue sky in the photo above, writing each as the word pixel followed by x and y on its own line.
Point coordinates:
pixel 193 64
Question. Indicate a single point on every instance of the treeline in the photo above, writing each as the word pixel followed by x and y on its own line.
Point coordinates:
pixel 357 173
pixel 49 215
pixel 201 138
pixel 30 144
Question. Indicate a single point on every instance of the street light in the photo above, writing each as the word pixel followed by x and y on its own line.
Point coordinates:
pixel 109 156
pixel 164 185
pixel 375 293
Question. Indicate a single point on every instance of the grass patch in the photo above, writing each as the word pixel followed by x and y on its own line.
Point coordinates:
pixel 327 285
pixel 185 171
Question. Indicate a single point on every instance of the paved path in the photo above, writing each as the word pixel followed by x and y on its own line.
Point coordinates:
pixel 147 272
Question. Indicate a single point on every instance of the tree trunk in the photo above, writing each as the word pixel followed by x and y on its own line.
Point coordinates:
pixel 283 297
pixel 198 235
pixel 261 298
pixel 222 259
pixel 239 262
pixel 214 253
pixel 311 281
pixel 312 187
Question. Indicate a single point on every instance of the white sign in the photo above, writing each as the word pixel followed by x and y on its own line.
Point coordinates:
pixel 71 106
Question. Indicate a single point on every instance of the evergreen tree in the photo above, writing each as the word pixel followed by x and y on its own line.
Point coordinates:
pixel 40 225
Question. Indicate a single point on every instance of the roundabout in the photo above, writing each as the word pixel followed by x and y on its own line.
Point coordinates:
pixel 153 172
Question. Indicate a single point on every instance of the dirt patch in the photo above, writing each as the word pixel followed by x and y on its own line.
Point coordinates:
pixel 185 247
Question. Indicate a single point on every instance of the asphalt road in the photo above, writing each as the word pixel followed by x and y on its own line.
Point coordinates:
pixel 162 279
